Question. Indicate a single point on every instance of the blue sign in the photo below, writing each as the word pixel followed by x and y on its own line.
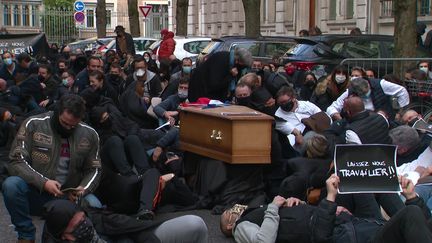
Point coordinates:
pixel 79 6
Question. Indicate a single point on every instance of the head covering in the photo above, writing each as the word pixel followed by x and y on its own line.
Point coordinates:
pixel 119 28
pixel 164 31
pixel 57 214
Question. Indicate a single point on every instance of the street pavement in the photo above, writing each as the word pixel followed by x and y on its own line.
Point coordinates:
pixel 7 233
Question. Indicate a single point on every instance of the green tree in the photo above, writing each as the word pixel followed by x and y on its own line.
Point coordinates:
pixel 181 17
pixel 101 18
pixel 133 18
pixel 405 34
pixel 252 17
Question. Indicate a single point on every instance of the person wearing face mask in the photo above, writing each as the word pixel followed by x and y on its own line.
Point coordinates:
pixel 151 64
pixel 290 113
pixel 167 109
pixel 330 88
pixel 424 66
pixel 52 151
pixel 309 84
pixel 8 70
pixel 185 72
pixel 65 87
pixel 243 94
pixel 115 78
pixel 103 88
pixel 290 72
pixel 124 43
pixel 376 95
pixel 25 64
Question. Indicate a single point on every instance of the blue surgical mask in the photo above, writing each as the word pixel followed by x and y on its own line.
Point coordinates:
pixel 187 69
pixel 7 61
pixel 65 82
pixel 367 95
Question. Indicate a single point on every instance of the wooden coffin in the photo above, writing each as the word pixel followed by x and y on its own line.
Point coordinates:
pixel 234 134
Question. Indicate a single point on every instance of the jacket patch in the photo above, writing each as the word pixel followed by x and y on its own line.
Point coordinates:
pixel 40 157
pixel 84 144
pixel 42 138
pixel 21 132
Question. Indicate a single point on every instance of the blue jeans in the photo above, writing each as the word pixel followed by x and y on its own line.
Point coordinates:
pixel 425 192
pixel 23 200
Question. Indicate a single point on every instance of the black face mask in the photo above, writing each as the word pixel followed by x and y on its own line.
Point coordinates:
pixel 84 232
pixel 41 78
pixel 413 121
pixel 309 83
pixel 55 123
pixel 244 101
pixel 114 79
pixel 288 106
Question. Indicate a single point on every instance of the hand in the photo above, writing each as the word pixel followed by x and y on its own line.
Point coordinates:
pixel 171 121
pixel 279 201
pixel 299 139
pixel 171 113
pixel 270 102
pixel 156 153
pixel 147 100
pixel 53 188
pixel 43 85
pixel 407 188
pixel 292 201
pixel 234 72
pixel 423 172
pixel 76 194
pixel 341 209
pixel 336 117
pixel 332 184
pixel 7 116
pixel 43 103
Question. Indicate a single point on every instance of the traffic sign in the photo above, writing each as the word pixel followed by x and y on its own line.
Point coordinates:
pixel 79 6
pixel 145 10
pixel 79 17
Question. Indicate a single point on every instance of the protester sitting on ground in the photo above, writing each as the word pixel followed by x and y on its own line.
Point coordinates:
pixel 409 145
pixel 167 109
pixel 82 78
pixel 48 83
pixel 329 89
pixel 98 84
pixel 375 95
pixel 8 69
pixel 359 126
pixel 44 148
pixel 308 87
pixel 173 83
pixel 290 113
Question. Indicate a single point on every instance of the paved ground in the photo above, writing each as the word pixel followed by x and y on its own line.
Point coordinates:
pixel 7 233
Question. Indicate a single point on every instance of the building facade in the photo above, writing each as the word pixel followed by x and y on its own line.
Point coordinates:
pixel 287 17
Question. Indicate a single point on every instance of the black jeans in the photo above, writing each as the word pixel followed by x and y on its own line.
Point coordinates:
pixel 408 225
pixel 121 155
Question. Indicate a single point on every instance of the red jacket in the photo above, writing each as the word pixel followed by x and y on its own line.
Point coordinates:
pixel 167 46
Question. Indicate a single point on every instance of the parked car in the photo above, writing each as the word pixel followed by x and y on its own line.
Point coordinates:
pixel 320 54
pixel 262 48
pixel 185 46
pixel 142 44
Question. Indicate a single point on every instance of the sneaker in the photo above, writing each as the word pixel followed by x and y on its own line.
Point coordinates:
pixel 145 215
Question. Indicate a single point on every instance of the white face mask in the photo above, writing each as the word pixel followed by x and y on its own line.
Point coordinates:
pixel 424 69
pixel 340 78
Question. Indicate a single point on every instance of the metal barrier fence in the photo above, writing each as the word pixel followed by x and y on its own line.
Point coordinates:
pixel 59 25
pixel 383 66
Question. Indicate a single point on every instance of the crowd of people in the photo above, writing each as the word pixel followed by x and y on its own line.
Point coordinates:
pixel 78 132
